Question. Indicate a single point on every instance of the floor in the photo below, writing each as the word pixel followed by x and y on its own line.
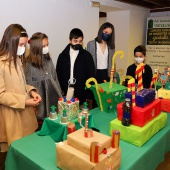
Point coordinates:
pixel 166 164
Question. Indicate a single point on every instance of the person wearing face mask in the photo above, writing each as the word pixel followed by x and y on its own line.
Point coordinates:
pixel 102 48
pixel 139 56
pixel 74 66
pixel 40 73
pixel 17 99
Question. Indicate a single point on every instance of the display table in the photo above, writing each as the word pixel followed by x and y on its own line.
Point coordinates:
pixel 39 152
pixel 58 131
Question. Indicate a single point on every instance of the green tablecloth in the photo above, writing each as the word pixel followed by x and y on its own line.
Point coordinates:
pixel 158 85
pixel 38 152
pixel 58 131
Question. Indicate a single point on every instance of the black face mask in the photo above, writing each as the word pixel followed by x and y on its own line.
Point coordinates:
pixel 76 46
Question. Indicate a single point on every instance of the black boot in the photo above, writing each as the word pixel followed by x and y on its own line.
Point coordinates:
pixel 2 160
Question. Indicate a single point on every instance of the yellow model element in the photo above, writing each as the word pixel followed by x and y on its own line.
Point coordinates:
pixel 97 90
pixel 113 65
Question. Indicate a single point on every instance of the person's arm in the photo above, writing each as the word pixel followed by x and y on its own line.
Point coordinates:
pixel 111 53
pixel 35 96
pixel 91 48
pixel 58 71
pixel 91 67
pixel 54 75
pixel 53 70
pixel 128 72
pixel 88 47
pixel 30 88
pixel 28 74
pixel 7 98
pixel 90 73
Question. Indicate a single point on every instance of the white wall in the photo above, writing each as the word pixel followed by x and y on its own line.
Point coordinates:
pixel 130 29
pixel 101 21
pixel 120 20
pixel 56 18
pixel 137 35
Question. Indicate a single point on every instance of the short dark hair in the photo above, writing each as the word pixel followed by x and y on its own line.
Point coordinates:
pixel 75 33
pixel 140 48
pixel 111 41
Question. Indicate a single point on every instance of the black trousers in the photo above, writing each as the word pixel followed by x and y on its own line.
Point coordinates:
pixel 102 75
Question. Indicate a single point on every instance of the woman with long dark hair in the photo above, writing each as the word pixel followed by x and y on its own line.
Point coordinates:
pixel 102 48
pixel 17 99
pixel 41 73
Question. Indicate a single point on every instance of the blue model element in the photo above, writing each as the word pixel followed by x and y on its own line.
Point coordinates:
pixel 143 97
pixel 72 99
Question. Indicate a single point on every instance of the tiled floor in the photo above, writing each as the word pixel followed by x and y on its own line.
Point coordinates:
pixel 166 164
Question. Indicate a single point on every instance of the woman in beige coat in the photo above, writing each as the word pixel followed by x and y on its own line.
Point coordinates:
pixel 17 115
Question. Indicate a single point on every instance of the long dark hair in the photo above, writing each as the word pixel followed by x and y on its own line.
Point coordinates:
pixel 10 41
pixel 111 41
pixel 36 46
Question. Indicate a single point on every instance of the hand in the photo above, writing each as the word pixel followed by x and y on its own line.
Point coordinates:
pixel 31 102
pixel 35 96
pixel 114 80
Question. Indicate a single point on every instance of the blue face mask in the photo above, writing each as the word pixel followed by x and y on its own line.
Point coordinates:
pixel 105 36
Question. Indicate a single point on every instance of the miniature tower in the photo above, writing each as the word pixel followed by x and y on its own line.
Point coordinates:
pixel 53 114
pixel 87 132
pixel 85 111
pixel 64 116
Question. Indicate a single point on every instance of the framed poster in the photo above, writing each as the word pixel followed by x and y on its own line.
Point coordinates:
pixel 158 43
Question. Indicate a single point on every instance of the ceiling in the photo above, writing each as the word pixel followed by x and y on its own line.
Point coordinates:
pixel 153 5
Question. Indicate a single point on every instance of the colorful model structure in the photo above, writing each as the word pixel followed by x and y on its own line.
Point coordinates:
pixel 164 92
pixel 146 116
pixel 71 106
pixel 108 94
pixel 82 153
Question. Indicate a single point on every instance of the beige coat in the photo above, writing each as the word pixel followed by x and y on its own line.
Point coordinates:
pixel 16 120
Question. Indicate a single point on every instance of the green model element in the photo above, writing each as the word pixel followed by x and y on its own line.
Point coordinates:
pixel 85 105
pixel 53 109
pixel 53 114
pixel 64 113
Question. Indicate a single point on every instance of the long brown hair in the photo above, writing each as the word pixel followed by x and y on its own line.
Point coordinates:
pixel 36 46
pixel 111 41
pixel 10 41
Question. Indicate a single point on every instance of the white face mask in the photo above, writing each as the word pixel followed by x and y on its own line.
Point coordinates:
pixel 20 50
pixel 45 50
pixel 139 60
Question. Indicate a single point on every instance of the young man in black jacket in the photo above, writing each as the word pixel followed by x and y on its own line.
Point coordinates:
pixel 74 66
